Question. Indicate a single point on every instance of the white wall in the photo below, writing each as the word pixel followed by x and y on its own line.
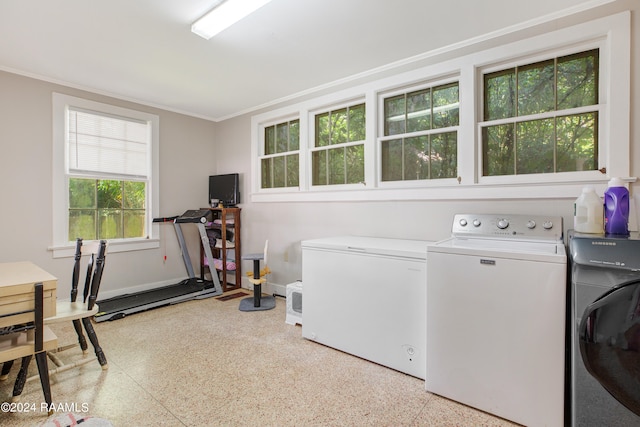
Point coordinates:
pixel 286 224
pixel 186 160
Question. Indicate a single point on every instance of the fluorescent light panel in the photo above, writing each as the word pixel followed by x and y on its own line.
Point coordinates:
pixel 224 16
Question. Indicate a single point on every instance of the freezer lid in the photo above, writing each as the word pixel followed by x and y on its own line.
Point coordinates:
pixel 371 245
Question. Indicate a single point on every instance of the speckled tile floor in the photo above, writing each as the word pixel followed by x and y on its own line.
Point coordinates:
pixel 205 363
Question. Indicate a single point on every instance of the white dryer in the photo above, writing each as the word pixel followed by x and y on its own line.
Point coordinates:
pixel 496 303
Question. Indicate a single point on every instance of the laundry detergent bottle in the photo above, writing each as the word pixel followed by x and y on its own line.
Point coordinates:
pixel 616 208
pixel 588 212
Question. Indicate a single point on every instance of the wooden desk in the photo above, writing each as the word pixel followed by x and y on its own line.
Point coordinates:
pixel 16 289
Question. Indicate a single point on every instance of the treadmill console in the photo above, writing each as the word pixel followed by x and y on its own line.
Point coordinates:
pixel 202 215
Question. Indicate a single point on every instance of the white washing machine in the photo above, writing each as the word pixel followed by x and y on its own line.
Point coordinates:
pixel 496 304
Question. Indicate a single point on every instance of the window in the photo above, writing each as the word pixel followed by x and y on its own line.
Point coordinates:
pixel 537 117
pixel 542 117
pixel 107 170
pixel 338 153
pixel 420 134
pixel 104 181
pixel 280 164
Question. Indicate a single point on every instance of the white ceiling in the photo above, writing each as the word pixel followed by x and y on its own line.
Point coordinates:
pixel 144 51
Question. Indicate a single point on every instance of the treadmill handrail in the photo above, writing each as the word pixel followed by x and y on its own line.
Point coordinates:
pixel 165 219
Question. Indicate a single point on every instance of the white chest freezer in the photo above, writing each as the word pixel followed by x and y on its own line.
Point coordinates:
pixel 367 296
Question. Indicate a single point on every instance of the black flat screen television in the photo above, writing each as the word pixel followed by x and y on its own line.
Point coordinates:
pixel 225 188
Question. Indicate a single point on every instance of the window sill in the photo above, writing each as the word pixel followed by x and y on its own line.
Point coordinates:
pixel 444 192
pixel 67 251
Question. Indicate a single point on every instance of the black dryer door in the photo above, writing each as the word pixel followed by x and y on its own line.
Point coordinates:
pixel 610 343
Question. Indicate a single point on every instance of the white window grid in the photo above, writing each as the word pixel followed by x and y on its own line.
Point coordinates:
pixel 61 245
pixel 610 34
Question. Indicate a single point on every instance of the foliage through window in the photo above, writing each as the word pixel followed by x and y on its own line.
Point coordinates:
pixel 106 209
pixel 107 169
pixel 338 153
pixel 542 117
pixel 420 136
pixel 280 164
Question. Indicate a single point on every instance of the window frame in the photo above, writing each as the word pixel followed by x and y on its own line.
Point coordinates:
pixel 264 155
pixel 258 152
pixel 310 146
pixel 61 246
pixel 611 34
pixel 600 108
pixel 381 137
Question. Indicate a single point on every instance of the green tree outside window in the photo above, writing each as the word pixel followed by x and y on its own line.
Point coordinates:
pixel 426 147
pixel 523 142
pixel 106 209
pixel 280 165
pixel 338 157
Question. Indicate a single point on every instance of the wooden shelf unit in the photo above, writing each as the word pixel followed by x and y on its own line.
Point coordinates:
pixel 229 221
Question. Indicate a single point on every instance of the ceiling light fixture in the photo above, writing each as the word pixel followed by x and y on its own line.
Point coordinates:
pixel 225 15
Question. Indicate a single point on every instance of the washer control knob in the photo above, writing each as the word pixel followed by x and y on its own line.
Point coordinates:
pixel 463 222
pixel 477 223
pixel 503 223
pixel 547 225
pixel 531 224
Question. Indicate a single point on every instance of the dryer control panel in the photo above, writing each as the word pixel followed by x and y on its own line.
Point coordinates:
pixel 606 251
pixel 507 226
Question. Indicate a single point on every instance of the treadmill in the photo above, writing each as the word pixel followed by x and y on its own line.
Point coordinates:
pixel 188 289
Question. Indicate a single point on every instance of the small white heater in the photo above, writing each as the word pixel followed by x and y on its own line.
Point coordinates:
pixel 294 303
